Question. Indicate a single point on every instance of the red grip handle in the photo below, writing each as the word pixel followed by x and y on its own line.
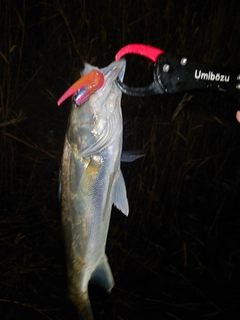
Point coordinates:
pixel 149 52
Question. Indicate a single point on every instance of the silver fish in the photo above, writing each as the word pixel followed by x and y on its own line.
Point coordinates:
pixel 91 181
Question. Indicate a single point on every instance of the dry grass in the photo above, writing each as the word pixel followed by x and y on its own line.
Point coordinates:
pixel 177 255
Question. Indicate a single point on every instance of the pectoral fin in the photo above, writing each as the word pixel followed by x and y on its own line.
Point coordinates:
pixel 120 194
pixel 131 155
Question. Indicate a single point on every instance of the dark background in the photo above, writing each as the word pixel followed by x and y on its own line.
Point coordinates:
pixel 177 255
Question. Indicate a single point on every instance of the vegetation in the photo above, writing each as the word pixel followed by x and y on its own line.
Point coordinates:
pixel 177 255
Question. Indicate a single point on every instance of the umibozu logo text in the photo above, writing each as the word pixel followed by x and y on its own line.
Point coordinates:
pixel 199 75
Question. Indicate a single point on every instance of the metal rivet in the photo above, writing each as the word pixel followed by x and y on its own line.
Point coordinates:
pixel 238 77
pixel 183 61
pixel 166 67
pixel 238 86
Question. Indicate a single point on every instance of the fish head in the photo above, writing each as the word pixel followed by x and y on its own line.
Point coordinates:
pixel 104 102
pixel 98 121
pixel 108 74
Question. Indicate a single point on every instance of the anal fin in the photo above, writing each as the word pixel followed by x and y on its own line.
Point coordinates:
pixel 103 275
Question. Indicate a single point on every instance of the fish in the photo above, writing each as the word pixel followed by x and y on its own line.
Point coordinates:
pixel 91 182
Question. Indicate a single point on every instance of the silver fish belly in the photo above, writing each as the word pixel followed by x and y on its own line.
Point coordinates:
pixel 91 181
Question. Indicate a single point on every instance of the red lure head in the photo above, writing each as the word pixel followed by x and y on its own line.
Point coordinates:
pixel 84 87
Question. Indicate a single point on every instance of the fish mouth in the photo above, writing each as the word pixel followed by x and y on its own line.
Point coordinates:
pixel 123 69
pixel 93 80
pixel 115 70
pixel 111 73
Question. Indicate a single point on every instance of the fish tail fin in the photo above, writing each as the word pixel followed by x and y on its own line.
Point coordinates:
pixel 103 275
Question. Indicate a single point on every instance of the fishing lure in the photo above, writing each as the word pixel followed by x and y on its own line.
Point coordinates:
pixel 83 87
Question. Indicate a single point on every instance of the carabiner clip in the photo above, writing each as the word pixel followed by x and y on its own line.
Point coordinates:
pixel 149 52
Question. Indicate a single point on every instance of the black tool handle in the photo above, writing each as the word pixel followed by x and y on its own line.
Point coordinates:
pixel 176 74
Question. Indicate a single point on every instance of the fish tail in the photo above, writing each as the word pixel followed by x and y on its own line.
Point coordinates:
pixel 82 305
pixel 85 311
